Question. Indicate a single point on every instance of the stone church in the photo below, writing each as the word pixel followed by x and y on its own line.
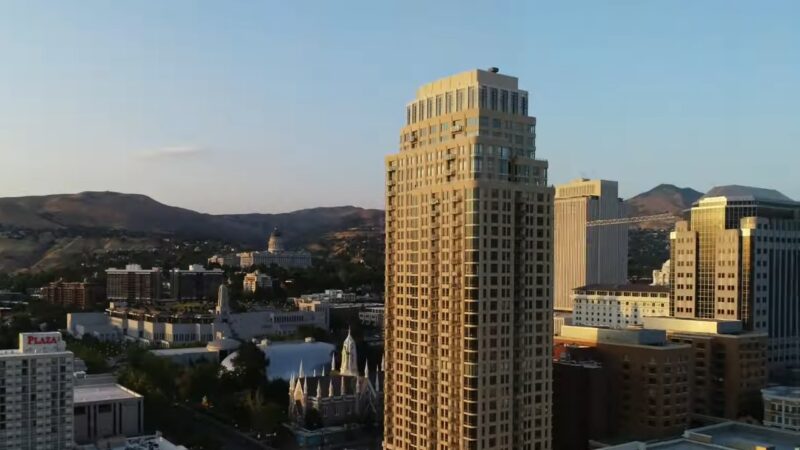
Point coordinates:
pixel 343 396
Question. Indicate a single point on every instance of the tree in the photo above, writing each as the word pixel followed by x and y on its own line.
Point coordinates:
pixel 250 366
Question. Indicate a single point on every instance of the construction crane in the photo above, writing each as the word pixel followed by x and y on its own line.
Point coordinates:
pixel 631 220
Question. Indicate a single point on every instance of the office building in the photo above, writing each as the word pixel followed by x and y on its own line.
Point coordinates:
pixel 104 409
pixel 196 283
pixel 782 407
pixel 74 295
pixel 729 364
pixel 133 284
pixel 588 254
pixel 256 281
pixel 468 271
pixel 36 394
pixel 618 306
pixel 722 436
pixel 738 258
pixel 649 378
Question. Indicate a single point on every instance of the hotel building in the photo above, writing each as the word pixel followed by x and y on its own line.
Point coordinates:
pixel 36 394
pixel 133 284
pixel 468 272
pixel 618 306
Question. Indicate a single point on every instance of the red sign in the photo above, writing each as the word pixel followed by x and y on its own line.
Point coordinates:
pixel 43 340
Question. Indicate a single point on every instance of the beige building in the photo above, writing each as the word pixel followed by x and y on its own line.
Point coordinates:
pixel 256 281
pixel 782 407
pixel 468 272
pixel 618 305
pixel 588 254
pixel 738 258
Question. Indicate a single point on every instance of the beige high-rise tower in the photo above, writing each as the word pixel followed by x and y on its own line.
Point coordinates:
pixel 588 255
pixel 468 272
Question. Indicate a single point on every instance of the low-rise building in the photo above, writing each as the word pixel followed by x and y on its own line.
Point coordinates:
pixel 618 305
pixel 722 436
pixel 730 364
pixel 782 407
pixel 661 276
pixel 649 378
pixel 134 284
pixel 162 326
pixel 148 442
pixel 36 394
pixel 196 283
pixel 372 316
pixel 79 295
pixel 104 409
pixel 256 281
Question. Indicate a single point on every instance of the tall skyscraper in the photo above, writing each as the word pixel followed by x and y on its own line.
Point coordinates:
pixel 739 258
pixel 468 271
pixel 588 255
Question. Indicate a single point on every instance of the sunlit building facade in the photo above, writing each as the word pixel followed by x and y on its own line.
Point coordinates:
pixel 588 254
pixel 739 258
pixel 468 272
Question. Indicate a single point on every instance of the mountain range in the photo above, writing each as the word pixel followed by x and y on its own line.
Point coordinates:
pixel 53 231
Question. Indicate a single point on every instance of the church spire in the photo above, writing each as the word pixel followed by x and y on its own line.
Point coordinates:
pixel 349 356
pixel 300 373
pixel 330 388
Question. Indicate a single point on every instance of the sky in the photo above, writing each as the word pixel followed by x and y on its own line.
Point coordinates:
pixel 271 106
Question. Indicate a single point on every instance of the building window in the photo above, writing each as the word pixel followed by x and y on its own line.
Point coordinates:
pixel 493 99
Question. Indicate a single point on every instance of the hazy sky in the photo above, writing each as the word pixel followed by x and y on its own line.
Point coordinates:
pixel 245 106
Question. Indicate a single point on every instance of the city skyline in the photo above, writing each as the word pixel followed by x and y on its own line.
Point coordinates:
pixel 190 93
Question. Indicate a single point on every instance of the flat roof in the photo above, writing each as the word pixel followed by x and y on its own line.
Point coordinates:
pixel 624 288
pixel 723 436
pixel 179 351
pixel 101 393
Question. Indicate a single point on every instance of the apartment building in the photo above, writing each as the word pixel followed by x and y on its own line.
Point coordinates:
pixel 196 283
pixel 468 271
pixel 78 295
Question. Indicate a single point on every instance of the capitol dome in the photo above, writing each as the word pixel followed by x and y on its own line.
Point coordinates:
pixel 275 244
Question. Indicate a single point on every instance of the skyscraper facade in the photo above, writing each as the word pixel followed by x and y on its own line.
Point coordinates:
pixel 739 258
pixel 588 255
pixel 468 271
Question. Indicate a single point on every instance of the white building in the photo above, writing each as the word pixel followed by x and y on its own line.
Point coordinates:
pixel 150 442
pixel 372 317
pixel 256 281
pixel 275 254
pixel 782 407
pixel 661 277
pixel 152 325
pixel 36 394
pixel 618 306
pixel 104 409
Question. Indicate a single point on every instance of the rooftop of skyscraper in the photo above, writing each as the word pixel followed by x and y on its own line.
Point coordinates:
pixel 735 192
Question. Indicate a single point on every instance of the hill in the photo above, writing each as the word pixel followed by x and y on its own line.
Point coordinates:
pixel 664 198
pixel 52 231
